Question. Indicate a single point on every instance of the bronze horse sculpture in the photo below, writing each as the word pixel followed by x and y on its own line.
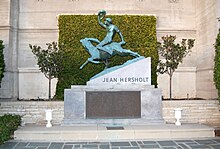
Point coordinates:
pixel 98 55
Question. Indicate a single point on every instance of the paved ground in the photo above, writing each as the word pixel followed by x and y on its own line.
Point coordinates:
pixel 209 143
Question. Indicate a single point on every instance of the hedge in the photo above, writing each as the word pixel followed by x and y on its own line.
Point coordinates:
pixel 139 33
pixel 8 124
pixel 217 64
pixel 2 61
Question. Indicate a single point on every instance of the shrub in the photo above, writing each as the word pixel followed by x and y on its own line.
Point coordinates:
pixel 2 61
pixel 139 33
pixel 217 64
pixel 8 124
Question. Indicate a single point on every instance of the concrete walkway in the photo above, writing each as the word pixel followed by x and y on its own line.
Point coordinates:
pixel 208 143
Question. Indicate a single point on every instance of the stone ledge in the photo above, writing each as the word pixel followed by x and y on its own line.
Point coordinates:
pixel 100 133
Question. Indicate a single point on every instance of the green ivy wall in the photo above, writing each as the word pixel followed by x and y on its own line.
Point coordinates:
pixel 139 33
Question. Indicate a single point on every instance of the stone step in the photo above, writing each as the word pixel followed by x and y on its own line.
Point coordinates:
pixel 101 133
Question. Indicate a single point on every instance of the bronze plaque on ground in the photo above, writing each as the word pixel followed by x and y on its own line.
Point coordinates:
pixel 115 104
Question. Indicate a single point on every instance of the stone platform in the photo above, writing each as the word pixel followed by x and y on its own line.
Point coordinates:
pixel 76 107
pixel 101 133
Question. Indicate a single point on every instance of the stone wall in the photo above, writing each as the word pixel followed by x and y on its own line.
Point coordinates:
pixel 194 111
pixel 33 111
pixel 183 83
pixel 26 22
pixel 207 25
pixel 8 30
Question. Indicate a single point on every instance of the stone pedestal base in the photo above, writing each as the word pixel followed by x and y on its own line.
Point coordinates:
pixel 75 105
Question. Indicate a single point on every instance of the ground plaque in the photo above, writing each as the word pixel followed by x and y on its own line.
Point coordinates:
pixel 117 104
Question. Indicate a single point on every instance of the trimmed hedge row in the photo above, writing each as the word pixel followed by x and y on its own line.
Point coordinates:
pixel 217 64
pixel 8 124
pixel 139 33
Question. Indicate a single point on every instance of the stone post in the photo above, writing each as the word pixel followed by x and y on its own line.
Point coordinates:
pixel 13 48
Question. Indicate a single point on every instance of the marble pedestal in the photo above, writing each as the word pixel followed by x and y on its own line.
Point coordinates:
pixel 75 105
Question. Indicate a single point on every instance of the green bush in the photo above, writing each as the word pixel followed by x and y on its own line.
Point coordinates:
pixel 2 61
pixel 139 33
pixel 217 64
pixel 8 124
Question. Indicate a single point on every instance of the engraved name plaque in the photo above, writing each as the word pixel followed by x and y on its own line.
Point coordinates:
pixel 113 104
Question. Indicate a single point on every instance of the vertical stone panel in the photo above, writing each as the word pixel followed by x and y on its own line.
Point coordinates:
pixel 9 20
pixel 4 12
pixel 206 24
